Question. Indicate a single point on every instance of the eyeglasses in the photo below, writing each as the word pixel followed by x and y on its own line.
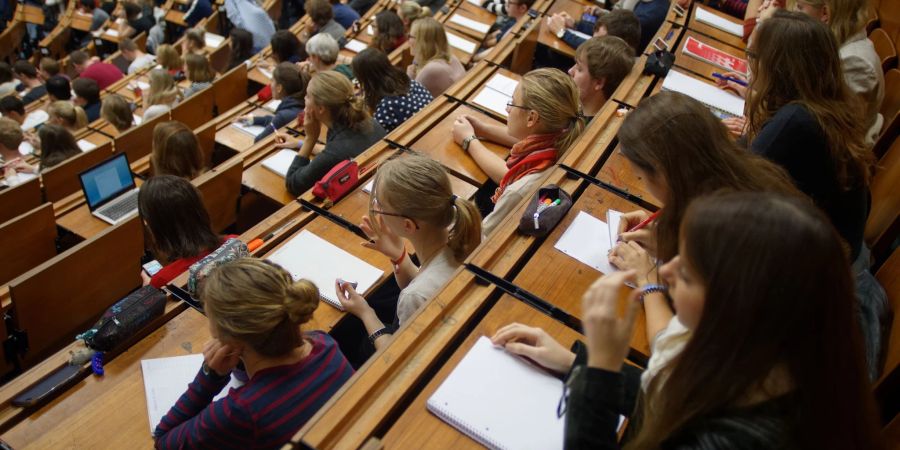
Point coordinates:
pixel 375 209
pixel 511 105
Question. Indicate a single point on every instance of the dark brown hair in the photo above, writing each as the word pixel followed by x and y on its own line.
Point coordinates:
pixel 680 143
pixel 377 77
pixel 292 80
pixel 57 145
pixel 388 31
pixel 176 151
pixel 779 300
pixel 175 217
pixel 621 23
pixel 798 63
pixel 319 12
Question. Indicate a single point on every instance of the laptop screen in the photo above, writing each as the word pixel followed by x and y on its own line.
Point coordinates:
pixel 107 180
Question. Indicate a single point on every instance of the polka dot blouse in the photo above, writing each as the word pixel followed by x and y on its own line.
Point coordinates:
pixel 395 109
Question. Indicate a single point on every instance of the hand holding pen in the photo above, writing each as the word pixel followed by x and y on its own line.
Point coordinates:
pixel 732 81
pixel 635 227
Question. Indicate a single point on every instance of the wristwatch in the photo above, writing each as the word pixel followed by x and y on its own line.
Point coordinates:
pixel 561 33
pixel 467 141
pixel 374 336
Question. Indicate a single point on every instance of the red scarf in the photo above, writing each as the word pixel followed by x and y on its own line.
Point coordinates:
pixel 533 154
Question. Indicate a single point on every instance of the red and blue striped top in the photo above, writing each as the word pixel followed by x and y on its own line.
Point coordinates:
pixel 265 412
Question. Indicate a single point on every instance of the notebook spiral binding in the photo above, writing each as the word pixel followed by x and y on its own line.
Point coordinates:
pixel 469 430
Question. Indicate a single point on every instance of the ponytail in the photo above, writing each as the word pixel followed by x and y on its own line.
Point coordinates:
pixel 81 119
pixel 570 135
pixel 465 234
pixel 334 91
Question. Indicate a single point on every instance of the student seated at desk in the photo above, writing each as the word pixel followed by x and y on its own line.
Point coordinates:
pixel 199 10
pixel 48 68
pixel 177 225
pixel 71 117
pixel 194 42
pixel 287 48
pixel 601 63
pixel 176 151
pixel 12 107
pixel 433 66
pixel 8 83
pixel 137 60
pixel 618 22
pixel 15 169
pixel 198 71
pixel 514 11
pixel 250 16
pixel 388 92
pixel 116 110
pixel 255 313
pixel 93 68
pixel 34 86
pixel 323 55
pixel 344 15
pixel 410 11
pixel 803 117
pixel 289 86
pixel 98 15
pixel 544 117
pixel 87 96
pixel 57 144
pixel 241 47
pixel 163 95
pixel 322 16
pixel 330 101
pixel 58 88
pixel 412 199
pixel 761 365
pixel 650 13
pixel 138 19
pixel 389 32
pixel 169 59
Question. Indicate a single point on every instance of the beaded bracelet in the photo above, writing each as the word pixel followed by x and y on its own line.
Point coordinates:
pixel 651 288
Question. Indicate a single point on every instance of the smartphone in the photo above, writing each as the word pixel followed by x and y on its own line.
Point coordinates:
pixel 660 44
pixel 533 14
pixel 54 382
pixel 589 18
pixel 355 27
pixel 152 267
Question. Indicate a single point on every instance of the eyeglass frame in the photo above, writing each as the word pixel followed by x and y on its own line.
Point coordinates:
pixel 372 210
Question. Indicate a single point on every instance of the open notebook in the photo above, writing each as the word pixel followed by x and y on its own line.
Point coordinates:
pixel 315 259
pixel 501 400
pixel 280 162
pixel 719 22
pixel 722 103
pixel 589 240
pixel 165 379
pixel 497 93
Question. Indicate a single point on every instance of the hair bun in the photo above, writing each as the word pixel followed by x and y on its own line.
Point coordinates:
pixel 300 301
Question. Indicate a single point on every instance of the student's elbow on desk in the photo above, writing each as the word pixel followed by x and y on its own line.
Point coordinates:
pixel 299 176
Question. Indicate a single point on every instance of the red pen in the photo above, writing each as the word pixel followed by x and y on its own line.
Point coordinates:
pixel 645 222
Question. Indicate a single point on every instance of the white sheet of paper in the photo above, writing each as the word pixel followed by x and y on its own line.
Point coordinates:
pixel 25 148
pixel 86 146
pixel 504 84
pixel 458 42
pixel 492 100
pixel 266 73
pixel 721 23
pixel 280 162
pixel 613 219
pixel 355 46
pixel 369 186
pixel 475 2
pixel 213 40
pixel 703 92
pixel 145 86
pixel 137 119
pixel 165 379
pixel 272 105
pixel 112 32
pixel 252 130
pixel 587 240
pixel 579 34
pixel 469 23
pixel 315 259
pixel 370 30
pixel 37 117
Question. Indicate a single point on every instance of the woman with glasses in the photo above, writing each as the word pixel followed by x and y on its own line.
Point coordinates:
pixel 433 65
pixel 544 118
pixel 329 101
pixel 412 200
pixel 774 355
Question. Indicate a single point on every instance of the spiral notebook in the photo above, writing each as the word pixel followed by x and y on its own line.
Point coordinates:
pixel 720 102
pixel 315 259
pixel 501 400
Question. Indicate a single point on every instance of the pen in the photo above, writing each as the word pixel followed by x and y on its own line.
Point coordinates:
pixel 726 78
pixel 645 222
pixel 258 242
pixel 669 35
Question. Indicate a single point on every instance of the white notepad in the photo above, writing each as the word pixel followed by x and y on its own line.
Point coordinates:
pixel 25 148
pixel 587 240
pixel 502 83
pixel 213 40
pixel 465 45
pixel 355 45
pixel 137 119
pixel 165 379
pixel 501 400
pixel 584 36
pixel 145 87
pixel 112 32
pixel 370 30
pixel 714 98
pixel 280 162
pixel 369 186
pixel 252 130
pixel 469 23
pixel 36 118
pixel 474 2
pixel 721 23
pixel 272 105
pixel 315 259
pixel 493 100
pixel 86 146
pixel 266 73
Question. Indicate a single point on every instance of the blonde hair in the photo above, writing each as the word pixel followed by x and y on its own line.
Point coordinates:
pixel 168 57
pixel 845 17
pixel 411 11
pixel 554 96
pixel 115 110
pixel 72 117
pixel 258 303
pixel 333 91
pixel 10 134
pixel 417 187
pixel 163 90
pixel 431 41
pixel 195 38
pixel 198 68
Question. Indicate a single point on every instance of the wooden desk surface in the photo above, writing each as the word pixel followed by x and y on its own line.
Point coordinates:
pixel 481 88
pixel 700 67
pixel 574 9
pixel 230 136
pixel 713 32
pixel 618 172
pixel 418 428
pixel 81 222
pixel 438 144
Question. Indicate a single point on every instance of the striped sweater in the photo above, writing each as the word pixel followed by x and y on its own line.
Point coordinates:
pixel 265 412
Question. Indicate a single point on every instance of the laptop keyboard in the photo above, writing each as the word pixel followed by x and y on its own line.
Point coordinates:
pixel 121 207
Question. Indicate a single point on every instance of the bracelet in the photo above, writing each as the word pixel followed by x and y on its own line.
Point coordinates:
pixel 467 141
pixel 399 259
pixel 651 288
pixel 374 336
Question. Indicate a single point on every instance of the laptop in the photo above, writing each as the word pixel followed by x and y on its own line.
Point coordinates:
pixel 110 190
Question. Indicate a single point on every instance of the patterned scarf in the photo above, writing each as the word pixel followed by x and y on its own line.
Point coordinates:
pixel 533 154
